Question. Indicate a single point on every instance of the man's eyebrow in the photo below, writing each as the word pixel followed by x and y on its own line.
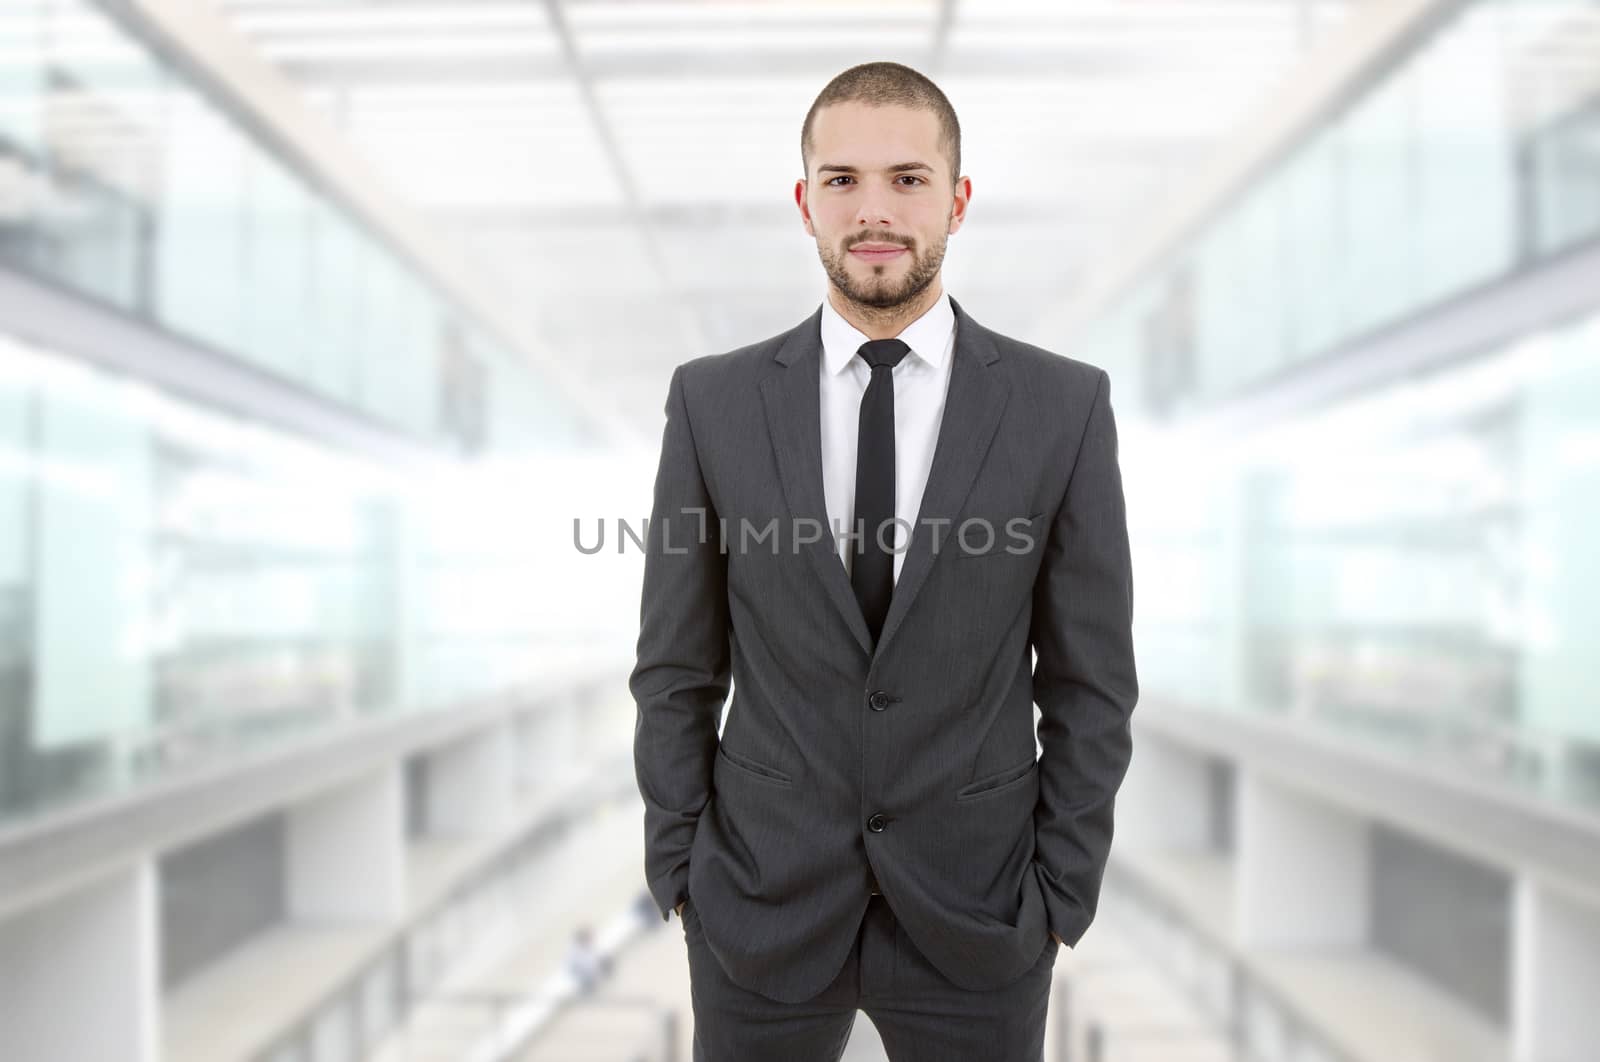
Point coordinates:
pixel 899 167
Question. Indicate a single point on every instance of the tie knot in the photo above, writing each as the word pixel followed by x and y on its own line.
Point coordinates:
pixel 883 352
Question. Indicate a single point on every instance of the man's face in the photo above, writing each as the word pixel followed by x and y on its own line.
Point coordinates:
pixel 879 200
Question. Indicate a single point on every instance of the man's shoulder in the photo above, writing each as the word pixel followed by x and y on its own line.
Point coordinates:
pixel 1045 367
pixel 729 361
pixel 736 365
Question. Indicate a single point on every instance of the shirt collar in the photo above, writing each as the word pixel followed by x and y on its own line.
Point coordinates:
pixel 928 336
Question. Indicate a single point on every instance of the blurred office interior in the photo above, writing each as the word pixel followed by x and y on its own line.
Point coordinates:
pixel 334 337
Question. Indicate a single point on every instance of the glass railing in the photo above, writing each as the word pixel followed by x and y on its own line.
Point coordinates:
pixel 408 1000
pixel 1470 160
pixel 122 179
pixel 1259 1023
pixel 1414 568
pixel 178 586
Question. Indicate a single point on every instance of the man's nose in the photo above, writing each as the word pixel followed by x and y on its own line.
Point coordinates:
pixel 873 213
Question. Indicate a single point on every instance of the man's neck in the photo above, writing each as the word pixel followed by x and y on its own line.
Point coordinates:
pixel 886 322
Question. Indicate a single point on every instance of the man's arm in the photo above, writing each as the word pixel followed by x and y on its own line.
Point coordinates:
pixel 683 671
pixel 1084 680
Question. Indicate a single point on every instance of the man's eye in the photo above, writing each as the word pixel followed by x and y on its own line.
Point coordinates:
pixel 903 177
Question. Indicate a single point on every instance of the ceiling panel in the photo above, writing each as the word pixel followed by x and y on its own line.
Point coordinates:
pixel 626 169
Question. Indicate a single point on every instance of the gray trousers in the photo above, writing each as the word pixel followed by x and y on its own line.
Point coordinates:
pixel 920 1016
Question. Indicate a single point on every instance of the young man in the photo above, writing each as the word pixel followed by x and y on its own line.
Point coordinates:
pixel 866 526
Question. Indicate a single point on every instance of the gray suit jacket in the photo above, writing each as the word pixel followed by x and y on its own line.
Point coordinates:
pixel 913 760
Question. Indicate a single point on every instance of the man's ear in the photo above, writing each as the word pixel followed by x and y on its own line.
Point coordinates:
pixel 800 187
pixel 958 207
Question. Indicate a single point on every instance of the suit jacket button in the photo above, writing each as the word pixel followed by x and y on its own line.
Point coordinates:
pixel 877 823
pixel 879 700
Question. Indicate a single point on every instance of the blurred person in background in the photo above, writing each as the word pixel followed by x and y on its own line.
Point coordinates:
pixel 872 829
pixel 584 961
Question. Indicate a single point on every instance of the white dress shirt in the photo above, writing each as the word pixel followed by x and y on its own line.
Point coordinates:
pixel 921 381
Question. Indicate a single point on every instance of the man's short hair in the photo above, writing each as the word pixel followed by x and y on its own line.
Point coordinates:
pixel 884 84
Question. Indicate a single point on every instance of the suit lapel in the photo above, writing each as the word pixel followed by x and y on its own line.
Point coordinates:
pixel 794 419
pixel 972 411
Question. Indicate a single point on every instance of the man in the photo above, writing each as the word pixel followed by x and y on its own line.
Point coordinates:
pixel 866 526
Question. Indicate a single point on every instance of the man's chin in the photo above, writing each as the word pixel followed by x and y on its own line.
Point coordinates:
pixel 878 299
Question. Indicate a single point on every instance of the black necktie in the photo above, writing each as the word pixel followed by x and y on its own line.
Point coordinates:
pixel 872 570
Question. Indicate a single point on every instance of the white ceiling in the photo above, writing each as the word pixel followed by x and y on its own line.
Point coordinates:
pixel 624 170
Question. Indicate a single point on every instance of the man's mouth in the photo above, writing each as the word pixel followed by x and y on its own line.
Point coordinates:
pixel 877 252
